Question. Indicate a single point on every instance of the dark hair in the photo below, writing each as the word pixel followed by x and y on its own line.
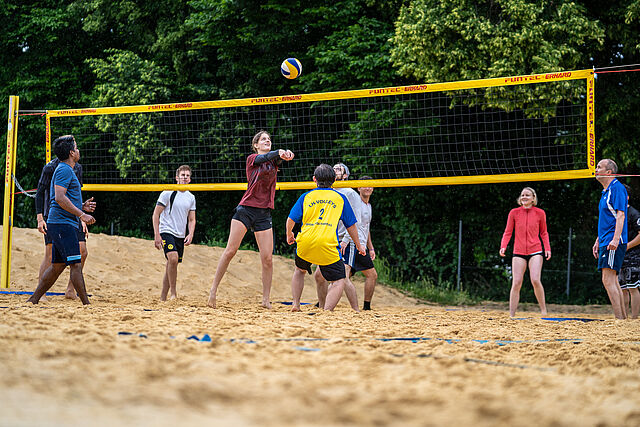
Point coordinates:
pixel 629 191
pixel 325 176
pixel 256 138
pixel 365 177
pixel 62 146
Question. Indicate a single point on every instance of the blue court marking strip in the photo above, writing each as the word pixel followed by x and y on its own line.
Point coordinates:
pixel 132 333
pixel 482 361
pixel 580 319
pixel 306 348
pixel 207 338
pixel 31 293
pixel 291 303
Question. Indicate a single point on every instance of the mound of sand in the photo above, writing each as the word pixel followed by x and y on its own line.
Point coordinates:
pixel 128 359
pixel 135 267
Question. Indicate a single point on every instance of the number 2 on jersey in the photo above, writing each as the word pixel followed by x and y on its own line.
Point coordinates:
pixel 321 213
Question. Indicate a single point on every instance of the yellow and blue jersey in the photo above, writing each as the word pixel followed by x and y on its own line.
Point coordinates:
pixel 319 212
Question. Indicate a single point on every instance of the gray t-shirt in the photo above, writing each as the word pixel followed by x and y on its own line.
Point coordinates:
pixel 363 214
pixel 354 200
pixel 173 219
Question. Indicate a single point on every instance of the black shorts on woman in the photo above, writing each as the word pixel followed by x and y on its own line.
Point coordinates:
pixel 526 257
pixel 254 219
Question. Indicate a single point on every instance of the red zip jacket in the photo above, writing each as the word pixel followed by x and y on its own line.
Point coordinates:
pixel 531 226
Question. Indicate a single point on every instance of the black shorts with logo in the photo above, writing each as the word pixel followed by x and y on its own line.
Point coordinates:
pixel 356 261
pixel 331 272
pixel 255 219
pixel 171 243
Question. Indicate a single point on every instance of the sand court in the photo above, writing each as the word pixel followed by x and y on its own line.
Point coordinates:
pixel 129 359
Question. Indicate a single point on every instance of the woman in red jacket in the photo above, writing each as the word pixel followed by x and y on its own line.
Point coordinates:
pixel 530 224
pixel 254 213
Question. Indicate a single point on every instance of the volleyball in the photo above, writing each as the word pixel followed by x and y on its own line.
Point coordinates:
pixel 291 68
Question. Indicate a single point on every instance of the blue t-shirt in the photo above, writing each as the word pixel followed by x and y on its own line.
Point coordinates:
pixel 64 177
pixel 319 211
pixel 614 198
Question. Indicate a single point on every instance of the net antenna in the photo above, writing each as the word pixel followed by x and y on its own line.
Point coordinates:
pixel 522 128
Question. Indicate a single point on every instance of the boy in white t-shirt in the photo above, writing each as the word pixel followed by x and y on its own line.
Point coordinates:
pixel 174 210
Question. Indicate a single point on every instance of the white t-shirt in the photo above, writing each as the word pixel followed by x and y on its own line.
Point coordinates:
pixel 354 200
pixel 363 213
pixel 173 219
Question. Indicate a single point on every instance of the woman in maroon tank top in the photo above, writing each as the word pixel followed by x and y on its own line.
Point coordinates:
pixel 254 213
pixel 529 224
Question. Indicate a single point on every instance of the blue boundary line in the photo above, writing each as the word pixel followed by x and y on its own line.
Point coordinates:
pixel 31 293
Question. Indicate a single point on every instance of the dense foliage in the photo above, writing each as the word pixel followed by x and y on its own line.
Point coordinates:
pixel 61 54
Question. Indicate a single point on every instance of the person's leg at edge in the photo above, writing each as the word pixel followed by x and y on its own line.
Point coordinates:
pixel 321 287
pixel 518 267
pixel 297 284
pixel 46 263
pixel 70 293
pixel 370 278
pixel 78 282
pixel 626 298
pixel 47 280
pixel 634 294
pixel 610 283
pixel 535 272
pixel 236 234
pixel 264 239
pixel 334 294
pixel 170 277
pixel 350 289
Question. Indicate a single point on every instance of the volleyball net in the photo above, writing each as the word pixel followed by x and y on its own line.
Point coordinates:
pixel 523 128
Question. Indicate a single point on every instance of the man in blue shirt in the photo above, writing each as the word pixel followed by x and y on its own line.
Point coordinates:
pixel 43 198
pixel 611 244
pixel 62 222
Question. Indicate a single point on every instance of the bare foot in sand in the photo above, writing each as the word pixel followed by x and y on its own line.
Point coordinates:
pixel 295 307
pixel 212 302
pixel 70 293
pixel 266 304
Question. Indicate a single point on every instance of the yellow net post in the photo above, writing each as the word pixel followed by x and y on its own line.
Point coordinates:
pixel 9 189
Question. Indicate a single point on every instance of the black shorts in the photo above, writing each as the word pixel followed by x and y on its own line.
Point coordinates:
pixel 629 277
pixel 81 236
pixel 255 219
pixel 331 272
pixel 171 243
pixel 527 257
pixel 65 249
pixel 356 261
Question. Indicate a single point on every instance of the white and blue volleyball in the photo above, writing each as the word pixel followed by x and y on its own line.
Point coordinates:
pixel 291 68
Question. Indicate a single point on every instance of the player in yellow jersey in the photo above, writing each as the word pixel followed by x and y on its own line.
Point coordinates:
pixel 319 212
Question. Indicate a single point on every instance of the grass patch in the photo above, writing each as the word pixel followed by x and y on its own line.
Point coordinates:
pixel 424 288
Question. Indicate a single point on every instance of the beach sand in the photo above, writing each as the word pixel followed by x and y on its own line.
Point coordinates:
pixel 127 358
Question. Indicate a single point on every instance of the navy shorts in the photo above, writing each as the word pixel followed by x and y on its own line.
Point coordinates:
pixel 171 243
pixel 81 236
pixel 331 272
pixel 64 238
pixel 356 261
pixel 611 259
pixel 255 219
